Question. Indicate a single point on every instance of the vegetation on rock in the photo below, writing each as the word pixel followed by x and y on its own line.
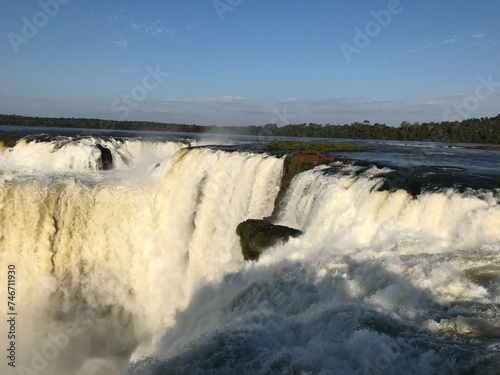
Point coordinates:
pixel 314 146
pixel 258 235
pixel 294 164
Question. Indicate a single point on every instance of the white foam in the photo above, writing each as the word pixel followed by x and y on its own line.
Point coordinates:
pixel 152 272
pixel 81 155
pixel 122 259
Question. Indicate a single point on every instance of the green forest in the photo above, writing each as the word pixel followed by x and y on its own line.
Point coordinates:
pixel 482 130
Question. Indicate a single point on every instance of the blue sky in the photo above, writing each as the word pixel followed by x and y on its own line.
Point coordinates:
pixel 251 62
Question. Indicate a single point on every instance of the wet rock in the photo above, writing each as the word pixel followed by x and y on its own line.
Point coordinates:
pixel 258 235
pixel 105 161
pixel 296 163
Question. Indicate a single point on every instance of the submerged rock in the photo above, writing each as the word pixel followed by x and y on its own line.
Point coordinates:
pixel 105 162
pixel 154 167
pixel 258 235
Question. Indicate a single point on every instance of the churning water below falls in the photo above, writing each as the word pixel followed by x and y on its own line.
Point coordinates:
pixel 138 270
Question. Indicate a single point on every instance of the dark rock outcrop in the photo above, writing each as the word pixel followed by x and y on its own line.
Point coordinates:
pixel 105 161
pixel 258 235
pixel 296 163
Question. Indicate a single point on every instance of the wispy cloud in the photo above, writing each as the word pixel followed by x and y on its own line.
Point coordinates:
pixel 235 110
pixel 483 40
pixel 480 39
pixel 435 44
pixel 123 44
pixel 129 70
pixel 155 29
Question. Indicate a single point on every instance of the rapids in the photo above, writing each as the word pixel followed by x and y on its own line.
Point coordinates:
pixel 138 270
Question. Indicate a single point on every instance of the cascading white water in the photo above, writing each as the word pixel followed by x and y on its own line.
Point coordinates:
pixel 434 241
pixel 65 154
pixel 118 259
pixel 379 283
pixel 140 267
pixel 349 212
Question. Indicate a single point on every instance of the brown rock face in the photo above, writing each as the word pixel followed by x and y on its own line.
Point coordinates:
pixel 258 235
pixel 296 163
pixel 302 161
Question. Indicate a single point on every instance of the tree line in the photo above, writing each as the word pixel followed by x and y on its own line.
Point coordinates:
pixel 482 130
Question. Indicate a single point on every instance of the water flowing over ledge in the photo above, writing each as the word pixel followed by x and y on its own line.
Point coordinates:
pixel 144 260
